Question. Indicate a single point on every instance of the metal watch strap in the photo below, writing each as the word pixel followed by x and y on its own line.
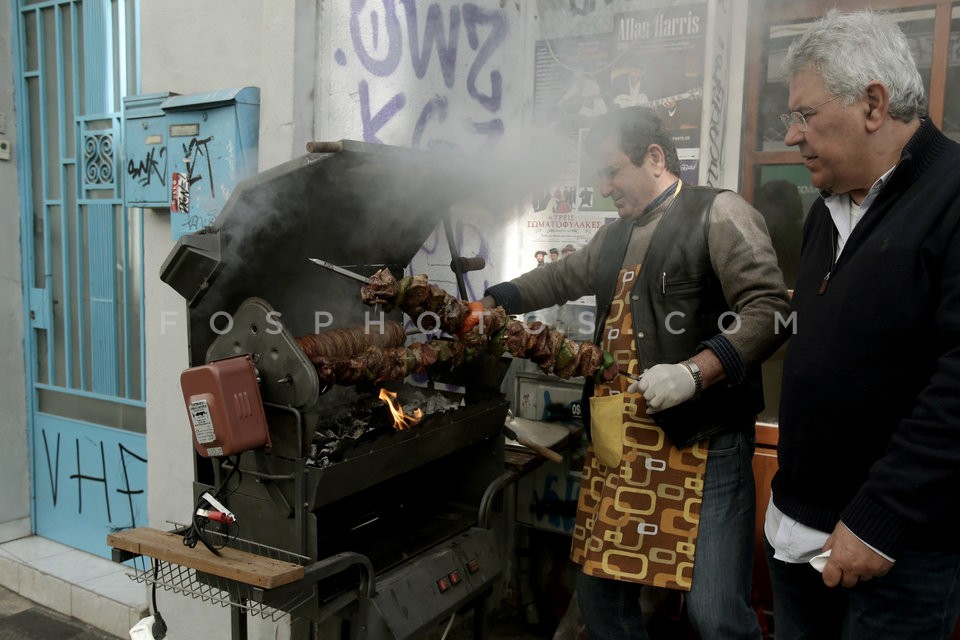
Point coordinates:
pixel 694 370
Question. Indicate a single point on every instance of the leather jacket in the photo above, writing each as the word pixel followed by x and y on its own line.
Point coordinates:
pixel 677 303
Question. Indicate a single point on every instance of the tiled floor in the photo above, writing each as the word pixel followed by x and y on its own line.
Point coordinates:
pixel 72 583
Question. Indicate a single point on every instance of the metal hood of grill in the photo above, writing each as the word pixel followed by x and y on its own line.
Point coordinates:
pixel 364 206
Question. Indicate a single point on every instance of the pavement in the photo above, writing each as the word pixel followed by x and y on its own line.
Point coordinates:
pixel 49 591
pixel 59 592
pixel 23 619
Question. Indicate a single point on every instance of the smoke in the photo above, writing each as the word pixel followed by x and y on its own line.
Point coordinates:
pixel 371 205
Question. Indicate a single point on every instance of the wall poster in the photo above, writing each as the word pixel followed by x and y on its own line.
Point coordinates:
pixel 651 57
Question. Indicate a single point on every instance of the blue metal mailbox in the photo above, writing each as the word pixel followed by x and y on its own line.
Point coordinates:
pixel 146 175
pixel 212 141
pixel 186 153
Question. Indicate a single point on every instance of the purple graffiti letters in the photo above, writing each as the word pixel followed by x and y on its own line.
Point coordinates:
pixel 492 129
pixel 433 34
pixel 437 107
pixel 377 34
pixel 474 18
pixel 373 124
pixel 388 63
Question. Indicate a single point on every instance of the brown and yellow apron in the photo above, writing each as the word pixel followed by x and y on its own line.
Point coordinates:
pixel 639 507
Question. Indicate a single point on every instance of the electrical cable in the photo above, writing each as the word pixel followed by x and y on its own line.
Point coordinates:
pixel 195 531
pixel 159 628
pixel 449 624
pixel 191 535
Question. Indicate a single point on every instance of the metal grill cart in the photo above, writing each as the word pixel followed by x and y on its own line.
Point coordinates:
pixel 342 520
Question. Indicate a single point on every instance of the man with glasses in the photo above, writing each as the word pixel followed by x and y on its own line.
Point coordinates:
pixel 868 487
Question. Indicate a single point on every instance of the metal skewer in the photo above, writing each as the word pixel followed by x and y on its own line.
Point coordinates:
pixel 340 270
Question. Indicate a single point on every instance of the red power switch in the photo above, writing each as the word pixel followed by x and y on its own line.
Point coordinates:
pixel 455 578
pixel 443 584
pixel 473 566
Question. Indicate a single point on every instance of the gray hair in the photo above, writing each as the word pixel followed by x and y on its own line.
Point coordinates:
pixel 850 50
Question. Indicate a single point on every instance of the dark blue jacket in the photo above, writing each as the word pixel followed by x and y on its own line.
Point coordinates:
pixel 870 406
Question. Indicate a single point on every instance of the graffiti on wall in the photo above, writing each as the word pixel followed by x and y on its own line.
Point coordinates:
pixel 145 170
pixel 90 480
pixel 434 76
pixel 718 97
pixel 433 65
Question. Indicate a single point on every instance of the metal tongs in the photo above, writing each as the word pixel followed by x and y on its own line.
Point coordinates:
pixel 341 270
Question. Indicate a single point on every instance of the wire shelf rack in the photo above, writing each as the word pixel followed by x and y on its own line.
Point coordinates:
pixel 214 589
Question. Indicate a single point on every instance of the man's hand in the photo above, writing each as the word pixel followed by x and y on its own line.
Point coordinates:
pixel 664 386
pixel 488 302
pixel 850 559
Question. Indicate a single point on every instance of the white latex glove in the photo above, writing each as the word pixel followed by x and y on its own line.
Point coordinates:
pixel 664 386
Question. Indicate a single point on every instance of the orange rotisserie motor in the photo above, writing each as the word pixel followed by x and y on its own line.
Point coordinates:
pixel 225 408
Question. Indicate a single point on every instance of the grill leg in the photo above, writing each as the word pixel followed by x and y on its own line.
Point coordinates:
pixel 238 621
pixel 480 617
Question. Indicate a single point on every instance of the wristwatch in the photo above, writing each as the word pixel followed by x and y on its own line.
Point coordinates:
pixel 694 370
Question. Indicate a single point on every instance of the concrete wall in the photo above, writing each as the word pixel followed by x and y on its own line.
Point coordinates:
pixel 15 467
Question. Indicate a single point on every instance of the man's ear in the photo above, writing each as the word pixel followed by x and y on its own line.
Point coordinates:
pixel 878 105
pixel 658 157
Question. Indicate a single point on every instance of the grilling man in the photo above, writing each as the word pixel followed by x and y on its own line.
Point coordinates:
pixel 688 290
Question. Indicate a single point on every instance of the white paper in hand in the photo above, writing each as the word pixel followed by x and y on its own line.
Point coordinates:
pixel 819 561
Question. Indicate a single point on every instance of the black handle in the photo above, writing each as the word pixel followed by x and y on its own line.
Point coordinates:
pixel 462 265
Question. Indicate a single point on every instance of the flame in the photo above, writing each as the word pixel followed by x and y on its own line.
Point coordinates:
pixel 401 420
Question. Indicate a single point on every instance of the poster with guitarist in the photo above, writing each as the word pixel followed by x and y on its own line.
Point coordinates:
pixel 653 57
pixel 678 102
pixel 659 64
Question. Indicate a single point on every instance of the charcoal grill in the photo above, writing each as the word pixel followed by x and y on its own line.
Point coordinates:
pixel 391 527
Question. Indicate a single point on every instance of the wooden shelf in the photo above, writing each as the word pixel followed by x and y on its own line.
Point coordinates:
pixel 232 564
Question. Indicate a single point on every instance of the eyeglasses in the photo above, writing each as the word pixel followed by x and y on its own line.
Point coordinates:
pixel 800 119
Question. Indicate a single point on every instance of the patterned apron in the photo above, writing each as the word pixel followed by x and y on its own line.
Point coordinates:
pixel 639 507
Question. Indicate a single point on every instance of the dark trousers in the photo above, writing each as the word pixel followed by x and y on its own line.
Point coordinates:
pixel 919 599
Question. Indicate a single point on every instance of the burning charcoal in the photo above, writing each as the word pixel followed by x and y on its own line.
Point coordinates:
pixel 438 403
pixel 325 448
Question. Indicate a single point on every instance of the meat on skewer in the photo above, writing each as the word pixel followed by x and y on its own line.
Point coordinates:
pixel 376 365
pixel 488 329
pixel 351 341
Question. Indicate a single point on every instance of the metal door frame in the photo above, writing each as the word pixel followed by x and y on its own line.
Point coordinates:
pixel 84 339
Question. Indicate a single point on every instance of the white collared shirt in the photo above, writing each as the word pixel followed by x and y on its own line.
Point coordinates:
pixel 846 213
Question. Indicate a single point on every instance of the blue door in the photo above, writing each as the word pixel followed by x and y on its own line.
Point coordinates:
pixel 83 280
